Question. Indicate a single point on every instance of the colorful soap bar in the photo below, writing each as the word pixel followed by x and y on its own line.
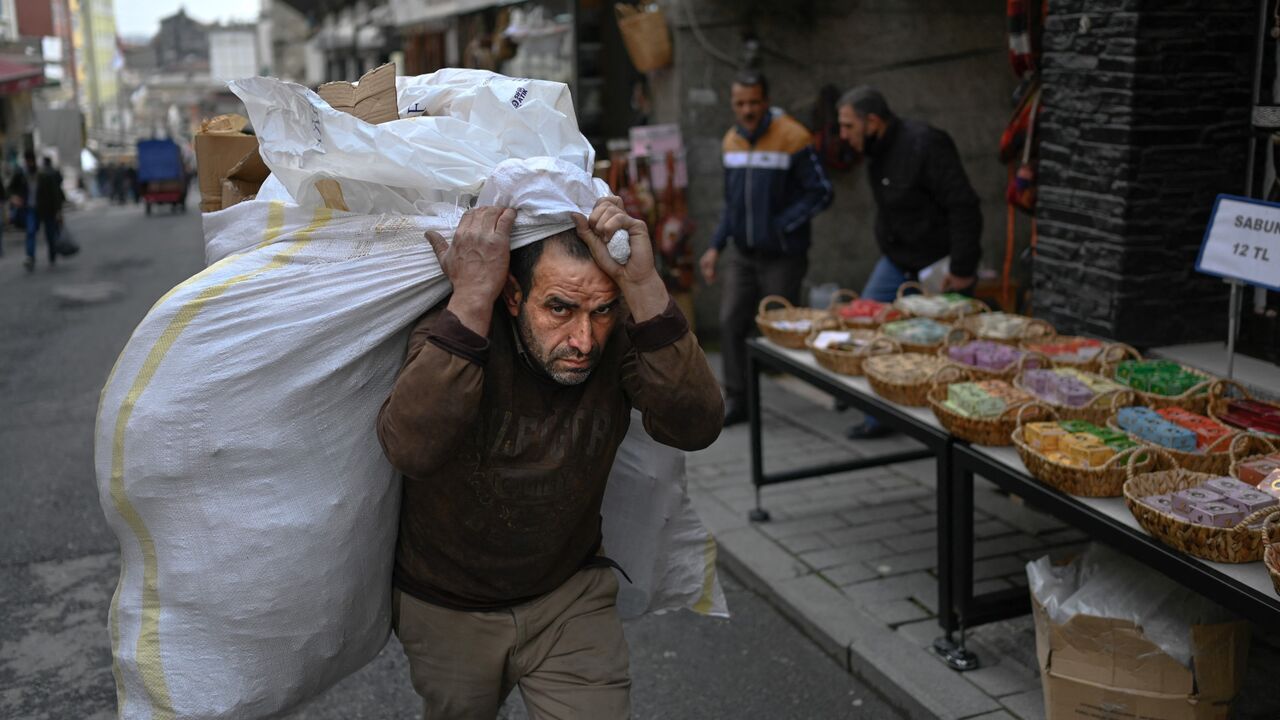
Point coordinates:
pixel 973 400
pixel 1044 436
pixel 1000 325
pixel 1271 484
pixel 1215 514
pixel 1256 470
pixel 917 331
pixel 1226 485
pixel 1207 431
pixel 1249 500
pixel 1074 349
pixel 1163 503
pixel 1150 426
pixel 1184 499
pixel 1160 377
pixel 1086 450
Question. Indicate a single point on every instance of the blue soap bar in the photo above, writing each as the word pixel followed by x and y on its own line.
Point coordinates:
pixel 1150 426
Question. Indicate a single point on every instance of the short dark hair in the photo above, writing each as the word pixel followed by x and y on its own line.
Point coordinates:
pixel 752 78
pixel 866 100
pixel 525 260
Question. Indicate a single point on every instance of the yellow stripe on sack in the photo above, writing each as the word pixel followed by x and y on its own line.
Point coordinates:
pixel 147 658
pixel 706 602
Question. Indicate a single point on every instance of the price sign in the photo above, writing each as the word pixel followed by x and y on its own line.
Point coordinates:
pixel 1242 241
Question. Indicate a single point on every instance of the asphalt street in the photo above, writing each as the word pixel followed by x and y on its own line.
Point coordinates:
pixel 60 331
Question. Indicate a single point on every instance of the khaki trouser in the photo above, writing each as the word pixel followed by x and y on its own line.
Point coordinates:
pixel 565 650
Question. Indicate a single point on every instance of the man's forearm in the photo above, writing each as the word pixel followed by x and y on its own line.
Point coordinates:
pixel 647 298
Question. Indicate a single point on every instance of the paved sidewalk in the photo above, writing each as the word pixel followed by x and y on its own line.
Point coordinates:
pixel 851 559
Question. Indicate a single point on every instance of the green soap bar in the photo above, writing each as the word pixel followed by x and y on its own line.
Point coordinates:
pixel 1121 444
pixel 1077 426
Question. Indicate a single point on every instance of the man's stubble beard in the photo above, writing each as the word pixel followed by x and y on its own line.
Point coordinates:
pixel 534 349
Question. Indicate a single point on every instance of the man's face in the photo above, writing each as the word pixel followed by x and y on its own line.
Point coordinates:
pixel 853 129
pixel 566 319
pixel 749 105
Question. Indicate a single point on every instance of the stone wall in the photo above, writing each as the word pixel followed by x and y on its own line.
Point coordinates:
pixel 1144 122
pixel 943 61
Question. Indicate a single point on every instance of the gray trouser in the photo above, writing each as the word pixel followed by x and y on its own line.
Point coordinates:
pixel 747 279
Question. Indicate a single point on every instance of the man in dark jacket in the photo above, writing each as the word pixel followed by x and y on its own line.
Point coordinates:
pixel 925 207
pixel 773 186
pixel 38 192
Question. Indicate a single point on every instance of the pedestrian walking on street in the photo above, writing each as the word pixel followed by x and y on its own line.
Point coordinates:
pixel 505 419
pixel 773 186
pixel 926 209
pixel 38 194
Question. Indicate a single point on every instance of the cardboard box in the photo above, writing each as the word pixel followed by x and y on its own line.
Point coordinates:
pixel 1106 669
pixel 244 179
pixel 372 98
pixel 220 145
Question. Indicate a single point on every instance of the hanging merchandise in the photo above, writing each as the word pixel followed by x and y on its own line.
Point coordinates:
pixel 1021 190
pixel 644 32
pixel 834 152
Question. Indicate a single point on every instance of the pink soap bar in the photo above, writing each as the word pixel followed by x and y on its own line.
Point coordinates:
pixel 1184 499
pixel 1215 514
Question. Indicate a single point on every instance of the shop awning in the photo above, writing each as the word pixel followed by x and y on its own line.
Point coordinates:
pixel 16 77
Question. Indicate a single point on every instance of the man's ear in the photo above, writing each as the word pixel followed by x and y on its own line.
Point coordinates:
pixel 512 295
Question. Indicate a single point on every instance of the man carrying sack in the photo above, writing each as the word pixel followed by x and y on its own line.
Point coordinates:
pixel 505 419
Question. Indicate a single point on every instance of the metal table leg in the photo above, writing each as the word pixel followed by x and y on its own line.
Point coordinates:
pixel 758 514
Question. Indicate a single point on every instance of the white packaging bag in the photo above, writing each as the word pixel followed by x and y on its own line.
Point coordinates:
pixel 237 461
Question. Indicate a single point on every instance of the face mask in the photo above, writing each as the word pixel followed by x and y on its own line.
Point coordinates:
pixel 869 143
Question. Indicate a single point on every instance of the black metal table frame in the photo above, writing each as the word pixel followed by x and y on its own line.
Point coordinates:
pixel 936 440
pixel 966 462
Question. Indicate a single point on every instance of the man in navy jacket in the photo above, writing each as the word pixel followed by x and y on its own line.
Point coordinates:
pixel 773 186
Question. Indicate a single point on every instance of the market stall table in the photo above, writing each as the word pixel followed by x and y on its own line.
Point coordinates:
pixel 917 423
pixel 1243 588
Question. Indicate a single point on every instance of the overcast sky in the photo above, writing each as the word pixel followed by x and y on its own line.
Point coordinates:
pixel 141 18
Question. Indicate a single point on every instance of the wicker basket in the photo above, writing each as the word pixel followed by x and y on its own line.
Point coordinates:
pixel 1271 555
pixel 1106 480
pixel 1007 373
pixel 1216 459
pixel 1034 330
pixel 1195 399
pixel 1109 353
pixel 991 431
pixel 1218 400
pixel 1239 544
pixel 1101 407
pixel 880 376
pixel 1262 445
pixel 645 35
pixel 786 337
pixel 848 362
pixel 922 348
pixel 957 311
pixel 887 313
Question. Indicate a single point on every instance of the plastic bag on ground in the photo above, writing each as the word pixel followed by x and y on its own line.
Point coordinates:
pixel 1104 583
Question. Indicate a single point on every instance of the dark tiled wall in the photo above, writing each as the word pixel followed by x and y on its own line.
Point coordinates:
pixel 1144 122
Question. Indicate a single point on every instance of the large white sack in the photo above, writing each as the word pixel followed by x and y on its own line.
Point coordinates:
pixel 651 530
pixel 238 466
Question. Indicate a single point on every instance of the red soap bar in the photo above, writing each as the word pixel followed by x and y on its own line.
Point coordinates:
pixel 1255 471
pixel 1207 431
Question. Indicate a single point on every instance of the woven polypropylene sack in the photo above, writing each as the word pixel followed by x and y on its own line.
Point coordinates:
pixel 238 466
